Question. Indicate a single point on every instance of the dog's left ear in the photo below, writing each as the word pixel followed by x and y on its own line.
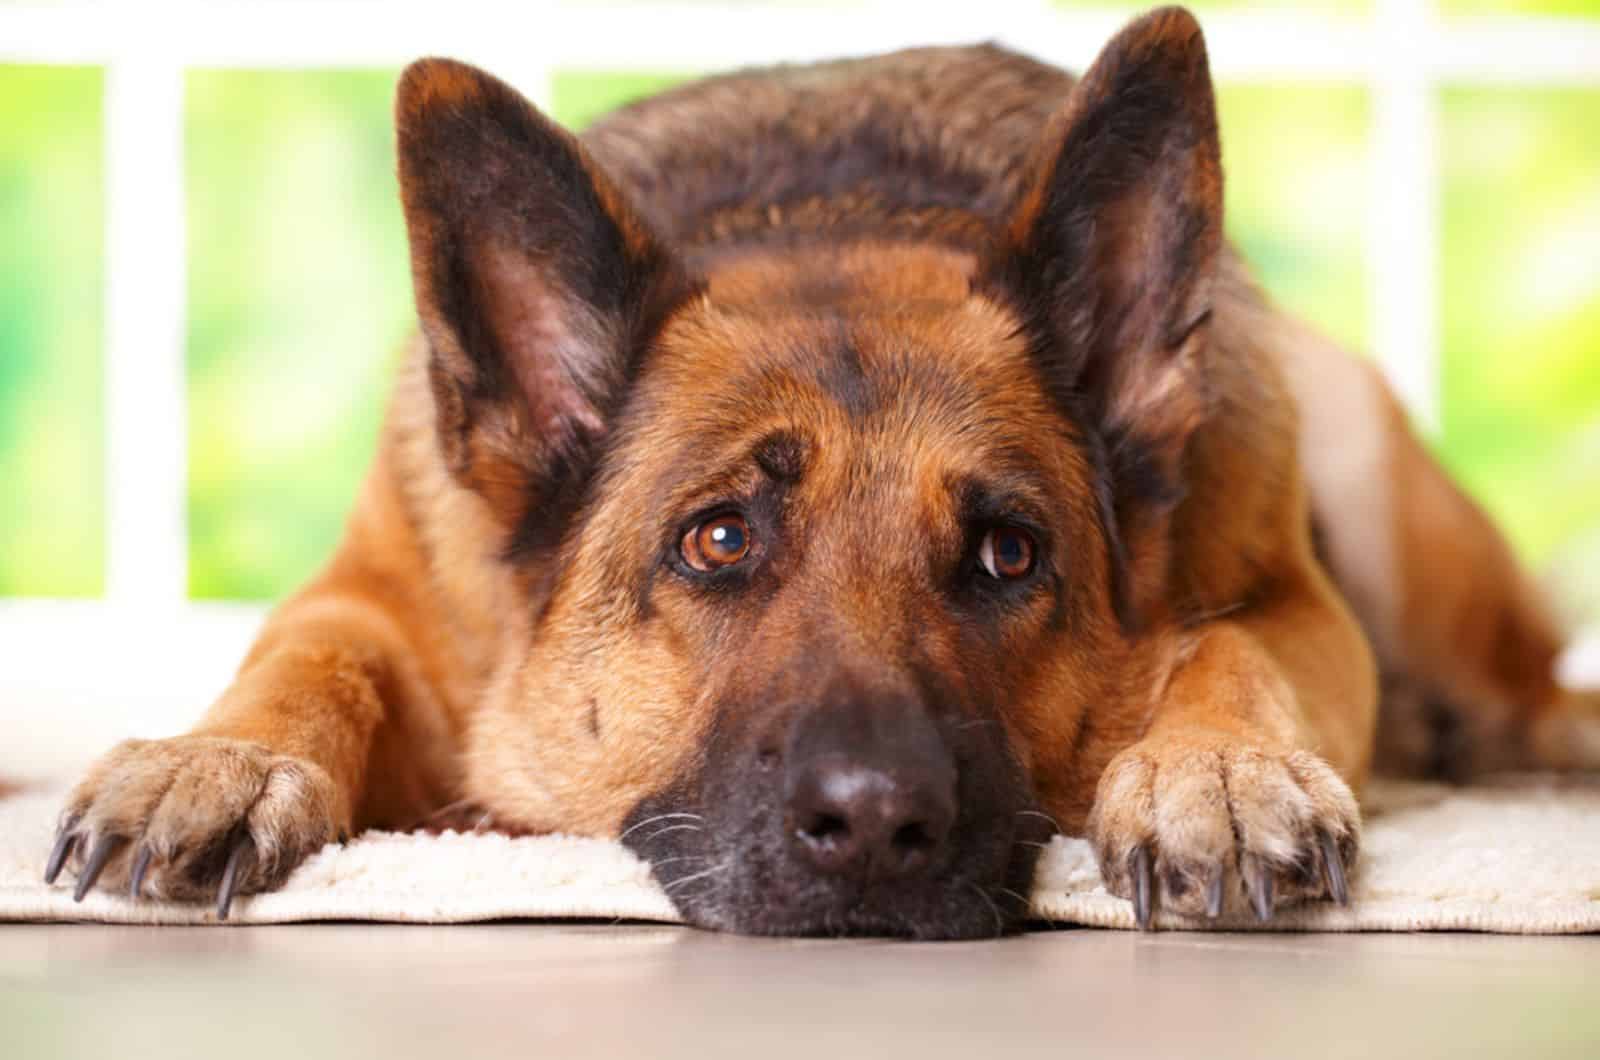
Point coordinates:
pixel 1112 247
pixel 536 284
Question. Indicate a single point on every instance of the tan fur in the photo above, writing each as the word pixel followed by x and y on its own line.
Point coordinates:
pixel 1231 728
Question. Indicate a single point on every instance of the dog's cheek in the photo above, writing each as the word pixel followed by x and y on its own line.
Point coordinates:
pixel 564 742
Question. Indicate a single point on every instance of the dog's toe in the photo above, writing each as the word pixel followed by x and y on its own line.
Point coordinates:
pixel 192 819
pixel 1204 826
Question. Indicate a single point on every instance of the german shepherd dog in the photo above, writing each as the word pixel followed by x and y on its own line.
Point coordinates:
pixel 832 481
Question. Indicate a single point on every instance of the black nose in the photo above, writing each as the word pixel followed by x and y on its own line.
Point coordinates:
pixel 871 791
pixel 853 818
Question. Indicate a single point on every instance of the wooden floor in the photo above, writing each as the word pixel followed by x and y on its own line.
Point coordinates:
pixel 567 990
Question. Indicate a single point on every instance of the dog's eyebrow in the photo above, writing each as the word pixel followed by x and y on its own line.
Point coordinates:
pixel 782 455
pixel 985 500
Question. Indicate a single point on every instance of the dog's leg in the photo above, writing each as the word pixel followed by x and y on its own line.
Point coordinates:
pixel 1238 795
pixel 281 764
pixel 1467 645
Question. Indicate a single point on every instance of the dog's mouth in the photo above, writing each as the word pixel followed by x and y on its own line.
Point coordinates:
pixel 922 840
pixel 728 885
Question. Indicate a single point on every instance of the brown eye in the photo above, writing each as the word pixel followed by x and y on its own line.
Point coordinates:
pixel 717 543
pixel 1006 552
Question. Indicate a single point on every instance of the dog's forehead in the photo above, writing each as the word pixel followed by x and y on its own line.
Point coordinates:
pixel 877 341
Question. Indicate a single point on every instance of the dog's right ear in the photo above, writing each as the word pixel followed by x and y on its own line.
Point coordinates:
pixel 1112 252
pixel 536 284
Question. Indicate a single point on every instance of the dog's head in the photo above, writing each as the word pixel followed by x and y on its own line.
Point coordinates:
pixel 824 551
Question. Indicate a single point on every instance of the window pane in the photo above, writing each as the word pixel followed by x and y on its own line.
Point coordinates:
pixel 299 301
pixel 1295 164
pixel 1521 276
pixel 52 516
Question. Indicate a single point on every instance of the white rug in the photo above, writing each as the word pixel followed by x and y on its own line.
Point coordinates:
pixel 1519 856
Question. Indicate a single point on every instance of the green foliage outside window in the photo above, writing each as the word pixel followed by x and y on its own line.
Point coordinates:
pixel 299 301
pixel 52 511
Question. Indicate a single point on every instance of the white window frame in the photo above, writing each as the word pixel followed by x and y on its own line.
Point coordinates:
pixel 144 659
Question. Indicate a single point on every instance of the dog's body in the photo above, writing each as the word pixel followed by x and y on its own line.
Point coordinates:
pixel 833 478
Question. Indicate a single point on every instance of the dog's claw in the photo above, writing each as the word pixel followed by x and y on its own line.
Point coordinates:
pixel 1258 880
pixel 1333 868
pixel 230 876
pixel 1142 885
pixel 98 856
pixel 141 862
pixel 1214 896
pixel 66 839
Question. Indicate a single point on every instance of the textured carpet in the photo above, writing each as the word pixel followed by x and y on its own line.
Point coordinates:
pixel 1521 856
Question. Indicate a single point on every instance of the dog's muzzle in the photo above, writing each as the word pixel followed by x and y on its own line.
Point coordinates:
pixel 853 814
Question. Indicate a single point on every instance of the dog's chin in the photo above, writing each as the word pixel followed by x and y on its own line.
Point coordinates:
pixel 746 881
pixel 952 909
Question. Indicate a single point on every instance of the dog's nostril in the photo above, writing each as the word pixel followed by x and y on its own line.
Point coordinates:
pixel 825 827
pixel 913 837
pixel 854 820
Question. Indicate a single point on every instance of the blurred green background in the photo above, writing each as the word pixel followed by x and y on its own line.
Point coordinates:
pixel 299 299
pixel 52 507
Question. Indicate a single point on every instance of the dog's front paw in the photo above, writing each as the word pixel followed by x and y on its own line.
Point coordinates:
pixel 194 818
pixel 1199 824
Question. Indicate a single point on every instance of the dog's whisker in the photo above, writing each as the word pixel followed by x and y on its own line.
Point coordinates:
pixel 656 820
pixel 681 857
pixel 1026 904
pixel 1030 843
pixel 999 919
pixel 653 836
pixel 448 808
pixel 1043 817
pixel 681 880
